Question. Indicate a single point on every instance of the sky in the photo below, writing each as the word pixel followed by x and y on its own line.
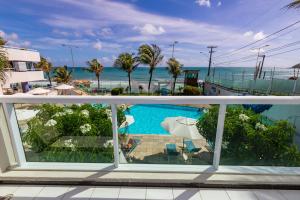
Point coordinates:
pixel 103 29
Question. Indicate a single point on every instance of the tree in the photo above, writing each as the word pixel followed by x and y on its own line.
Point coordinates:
pixel 46 67
pixel 128 63
pixel 62 75
pixel 175 69
pixel 2 41
pixel 251 139
pixel 4 63
pixel 150 55
pixel 294 4
pixel 95 67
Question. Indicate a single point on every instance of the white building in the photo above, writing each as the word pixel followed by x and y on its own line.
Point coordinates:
pixel 22 70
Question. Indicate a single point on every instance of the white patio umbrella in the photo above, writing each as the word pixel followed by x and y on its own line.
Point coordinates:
pixel 182 127
pixel 64 87
pixel 38 91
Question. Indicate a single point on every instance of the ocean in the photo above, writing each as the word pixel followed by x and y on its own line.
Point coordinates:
pixel 141 74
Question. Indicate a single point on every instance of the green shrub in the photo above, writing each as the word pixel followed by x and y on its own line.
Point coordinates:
pixel 55 123
pixel 117 91
pixel 248 141
pixel 191 91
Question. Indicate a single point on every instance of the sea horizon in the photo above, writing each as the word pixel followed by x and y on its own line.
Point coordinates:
pixel 141 74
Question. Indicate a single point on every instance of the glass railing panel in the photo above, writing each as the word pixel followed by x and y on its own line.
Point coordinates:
pixel 165 134
pixel 66 133
pixel 261 135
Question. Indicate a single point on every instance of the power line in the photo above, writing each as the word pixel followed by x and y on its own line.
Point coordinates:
pixel 272 55
pixel 268 51
pixel 252 43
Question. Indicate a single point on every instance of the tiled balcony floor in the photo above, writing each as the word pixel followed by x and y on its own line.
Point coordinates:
pixel 23 192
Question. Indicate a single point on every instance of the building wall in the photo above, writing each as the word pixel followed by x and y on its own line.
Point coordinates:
pixel 18 77
pixel 15 54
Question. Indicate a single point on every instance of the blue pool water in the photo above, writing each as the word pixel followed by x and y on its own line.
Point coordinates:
pixel 149 117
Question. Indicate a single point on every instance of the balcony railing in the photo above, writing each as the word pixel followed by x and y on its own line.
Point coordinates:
pixel 81 132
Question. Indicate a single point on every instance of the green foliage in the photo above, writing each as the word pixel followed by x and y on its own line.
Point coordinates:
pixel 150 55
pixel 117 91
pixel 46 67
pixel 94 66
pixel 294 4
pixel 62 75
pixel 191 91
pixel 57 122
pixel 2 41
pixel 175 69
pixel 247 141
pixel 4 63
pixel 128 63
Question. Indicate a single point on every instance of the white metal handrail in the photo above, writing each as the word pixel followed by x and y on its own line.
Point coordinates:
pixel 280 100
pixel 8 102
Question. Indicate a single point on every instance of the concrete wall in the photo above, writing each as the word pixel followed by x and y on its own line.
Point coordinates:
pixel 215 90
pixel 15 54
pixel 18 77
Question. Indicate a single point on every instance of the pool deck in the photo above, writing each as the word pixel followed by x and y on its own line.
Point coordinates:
pixel 152 149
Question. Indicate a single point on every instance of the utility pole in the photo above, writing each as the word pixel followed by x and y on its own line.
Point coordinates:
pixel 262 65
pixel 71 51
pixel 258 55
pixel 173 47
pixel 211 51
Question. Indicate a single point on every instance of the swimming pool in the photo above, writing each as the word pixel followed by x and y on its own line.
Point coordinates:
pixel 149 117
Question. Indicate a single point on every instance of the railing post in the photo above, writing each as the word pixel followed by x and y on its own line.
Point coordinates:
pixel 13 127
pixel 115 134
pixel 219 136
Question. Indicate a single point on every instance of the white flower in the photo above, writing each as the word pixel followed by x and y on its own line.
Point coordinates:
pixel 69 144
pixel 85 128
pixel 123 107
pixel 51 122
pixel 109 143
pixel 59 114
pixel 85 113
pixel 205 110
pixel 69 111
pixel 108 112
pixel 260 126
pixel 244 117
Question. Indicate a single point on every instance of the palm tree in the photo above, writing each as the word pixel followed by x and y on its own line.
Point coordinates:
pixel 128 63
pixel 150 55
pixel 2 41
pixel 174 68
pixel 4 63
pixel 95 67
pixel 62 75
pixel 294 4
pixel 46 67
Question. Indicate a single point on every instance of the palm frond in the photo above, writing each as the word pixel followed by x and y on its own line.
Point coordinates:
pixel 294 4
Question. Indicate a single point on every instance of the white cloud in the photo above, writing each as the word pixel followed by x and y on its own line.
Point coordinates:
pixel 59 32
pixel 219 3
pixel 150 29
pixel 90 32
pixel 12 36
pixel 259 36
pixel 105 32
pixel 203 3
pixel 248 33
pixel 2 34
pixel 98 45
